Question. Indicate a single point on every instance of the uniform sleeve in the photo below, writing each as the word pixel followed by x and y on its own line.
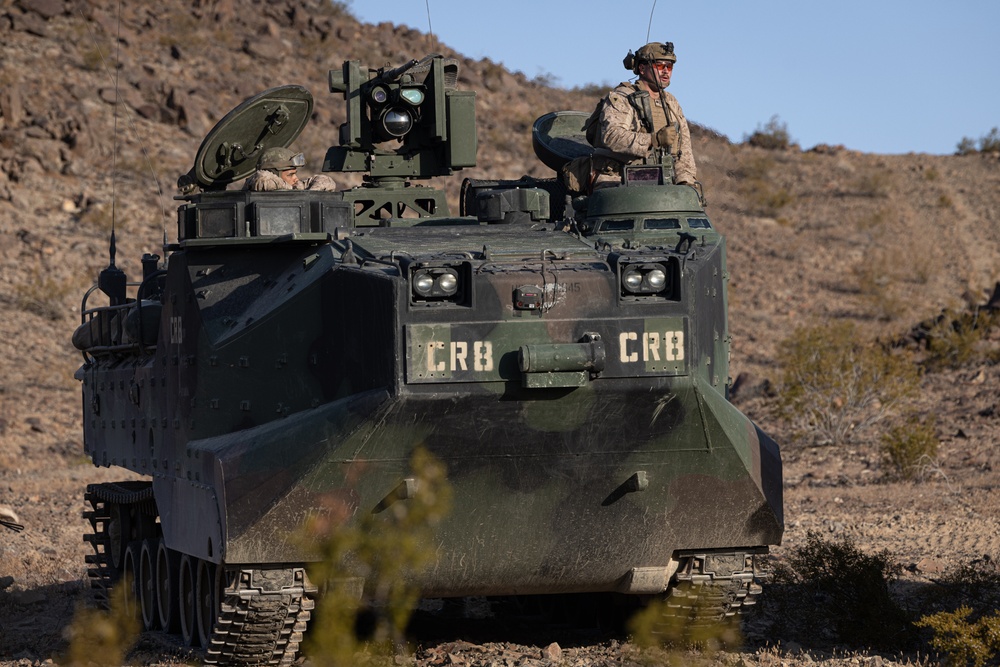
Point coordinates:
pixel 621 130
pixel 685 171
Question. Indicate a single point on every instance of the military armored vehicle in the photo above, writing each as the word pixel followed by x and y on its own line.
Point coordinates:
pixel 566 357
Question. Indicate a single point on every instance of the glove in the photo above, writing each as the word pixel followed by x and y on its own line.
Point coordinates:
pixel 666 137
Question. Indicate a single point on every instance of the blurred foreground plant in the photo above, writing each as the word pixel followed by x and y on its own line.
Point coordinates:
pixel 965 642
pixel 100 638
pixel 383 552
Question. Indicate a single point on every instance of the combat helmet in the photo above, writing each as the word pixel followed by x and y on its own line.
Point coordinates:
pixel 649 53
pixel 280 159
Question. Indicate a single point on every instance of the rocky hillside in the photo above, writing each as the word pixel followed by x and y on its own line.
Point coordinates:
pixel 816 235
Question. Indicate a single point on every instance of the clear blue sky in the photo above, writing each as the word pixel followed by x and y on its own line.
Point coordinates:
pixel 880 76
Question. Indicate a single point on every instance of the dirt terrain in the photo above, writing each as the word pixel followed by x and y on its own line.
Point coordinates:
pixel 816 235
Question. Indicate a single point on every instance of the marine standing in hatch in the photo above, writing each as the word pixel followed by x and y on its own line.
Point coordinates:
pixel 621 126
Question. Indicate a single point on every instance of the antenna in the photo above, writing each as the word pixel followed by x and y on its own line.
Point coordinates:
pixel 114 143
pixel 430 30
pixel 649 28
pixel 131 124
pixel 112 280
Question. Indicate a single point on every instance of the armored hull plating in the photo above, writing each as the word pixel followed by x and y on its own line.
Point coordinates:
pixel 292 352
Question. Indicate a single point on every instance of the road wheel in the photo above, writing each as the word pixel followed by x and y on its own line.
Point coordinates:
pixel 168 566
pixel 207 601
pixel 146 584
pixel 188 600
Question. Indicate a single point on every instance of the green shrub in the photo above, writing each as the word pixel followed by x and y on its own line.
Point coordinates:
pixel 834 385
pixel 910 448
pixel 773 135
pixel 846 590
pixel 965 642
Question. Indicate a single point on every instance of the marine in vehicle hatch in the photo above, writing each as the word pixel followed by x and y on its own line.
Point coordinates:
pixel 277 169
pixel 635 119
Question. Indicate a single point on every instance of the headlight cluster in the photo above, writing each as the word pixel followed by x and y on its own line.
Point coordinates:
pixel 644 279
pixel 437 283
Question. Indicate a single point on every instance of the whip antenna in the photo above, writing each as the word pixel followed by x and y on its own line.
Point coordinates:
pixel 650 27
pixel 131 123
pixel 430 30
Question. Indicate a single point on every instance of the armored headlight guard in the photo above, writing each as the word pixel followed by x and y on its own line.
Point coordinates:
pixel 648 279
pixel 437 284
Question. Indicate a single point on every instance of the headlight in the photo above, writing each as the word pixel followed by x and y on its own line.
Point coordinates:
pixel 436 283
pixel 644 279
pixel 632 279
pixel 656 279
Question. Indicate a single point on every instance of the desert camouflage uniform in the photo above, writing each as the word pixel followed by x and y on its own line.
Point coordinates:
pixel 622 130
pixel 263 180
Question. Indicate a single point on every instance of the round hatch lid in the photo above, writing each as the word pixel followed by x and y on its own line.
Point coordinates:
pixel 273 118
pixel 558 137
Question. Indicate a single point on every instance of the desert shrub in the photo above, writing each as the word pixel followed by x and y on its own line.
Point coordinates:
pixel 42 294
pixel 988 143
pixel 910 448
pixel 975 583
pixel 757 186
pixel 874 184
pixel 846 590
pixel 92 59
pixel 834 385
pixel 876 276
pixel 772 135
pixel 385 549
pixel 964 641
pixel 955 339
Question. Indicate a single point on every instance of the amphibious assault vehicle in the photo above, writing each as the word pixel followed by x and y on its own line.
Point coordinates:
pixel 566 357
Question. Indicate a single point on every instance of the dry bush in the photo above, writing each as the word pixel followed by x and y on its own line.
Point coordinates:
pixel 834 385
pixel 876 276
pixel 835 588
pixel 772 135
pixel 43 295
pixel 758 189
pixel 874 184
pixel 988 143
pixel 957 339
pixel 910 448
